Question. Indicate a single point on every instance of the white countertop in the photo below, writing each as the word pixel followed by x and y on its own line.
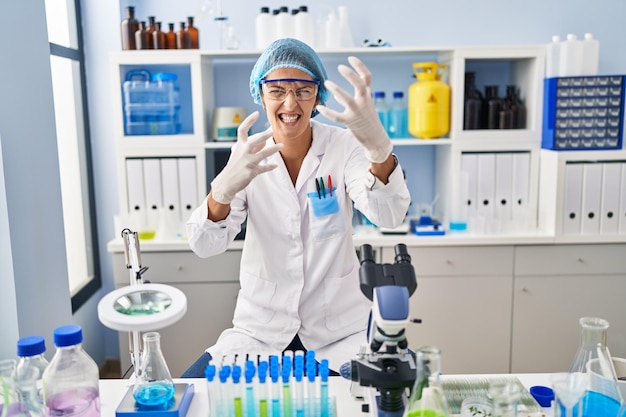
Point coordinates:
pixel 112 391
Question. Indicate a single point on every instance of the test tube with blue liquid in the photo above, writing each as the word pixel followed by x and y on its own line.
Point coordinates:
pixel 298 374
pixel 275 375
pixel 250 397
pixel 324 372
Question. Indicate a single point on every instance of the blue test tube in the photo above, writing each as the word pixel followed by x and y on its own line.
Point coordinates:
pixel 263 368
pixel 209 373
pixel 250 397
pixel 275 375
pixel 324 372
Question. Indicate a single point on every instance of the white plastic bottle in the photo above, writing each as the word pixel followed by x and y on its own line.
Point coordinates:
pixel 264 28
pixel 553 53
pixel 332 37
pixel 382 108
pixel 345 35
pixel 398 117
pixel 591 55
pixel 304 26
pixel 70 382
pixel 571 57
pixel 284 24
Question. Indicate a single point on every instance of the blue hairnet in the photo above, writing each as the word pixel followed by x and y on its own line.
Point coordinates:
pixel 288 53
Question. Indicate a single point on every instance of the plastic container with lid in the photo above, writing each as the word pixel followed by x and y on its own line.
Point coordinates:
pixel 70 382
pixel 151 103
pixel 30 368
pixel 382 108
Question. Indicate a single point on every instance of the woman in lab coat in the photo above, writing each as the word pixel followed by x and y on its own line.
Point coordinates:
pixel 296 183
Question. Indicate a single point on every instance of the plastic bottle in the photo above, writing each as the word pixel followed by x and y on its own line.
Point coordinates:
pixel 398 116
pixel 284 24
pixel 264 28
pixel 194 34
pixel 427 396
pixel 70 382
pixel 30 352
pixel 331 31
pixel 382 108
pixel 345 35
pixel 571 57
pixel 304 26
pixel 553 57
pixel 128 27
pixel 170 37
pixel 591 55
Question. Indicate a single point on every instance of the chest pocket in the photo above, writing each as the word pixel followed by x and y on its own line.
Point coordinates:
pixel 325 216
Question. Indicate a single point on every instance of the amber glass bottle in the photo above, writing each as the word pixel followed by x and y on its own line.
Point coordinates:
pixel 158 37
pixel 194 42
pixel 151 28
pixel 129 26
pixel 170 38
pixel 182 37
pixel 142 37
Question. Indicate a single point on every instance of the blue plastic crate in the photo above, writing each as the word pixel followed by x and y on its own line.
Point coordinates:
pixel 583 113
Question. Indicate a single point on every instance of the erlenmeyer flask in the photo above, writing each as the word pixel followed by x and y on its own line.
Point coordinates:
pixel 153 382
pixel 427 397
pixel 593 360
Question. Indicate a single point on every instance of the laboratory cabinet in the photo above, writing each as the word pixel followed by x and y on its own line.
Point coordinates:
pixel 464 301
pixel 555 285
pixel 211 286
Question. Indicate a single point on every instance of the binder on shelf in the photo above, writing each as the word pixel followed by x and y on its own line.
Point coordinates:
pixel 486 184
pixel 469 164
pixel 188 186
pixel 592 190
pixel 136 192
pixel 152 182
pixel 622 201
pixel 521 186
pixel 504 186
pixel 609 206
pixel 572 201
pixel 170 219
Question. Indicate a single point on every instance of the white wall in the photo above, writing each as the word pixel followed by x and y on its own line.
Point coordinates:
pixel 400 22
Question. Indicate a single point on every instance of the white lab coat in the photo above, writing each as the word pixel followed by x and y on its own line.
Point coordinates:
pixel 299 272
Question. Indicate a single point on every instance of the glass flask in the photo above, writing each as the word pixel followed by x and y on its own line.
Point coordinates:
pixel 504 397
pixel 153 382
pixel 427 397
pixel 568 390
pixel 593 360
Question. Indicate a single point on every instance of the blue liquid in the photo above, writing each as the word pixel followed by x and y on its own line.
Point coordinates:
pixel 275 408
pixel 324 406
pixel 154 394
pixel 597 405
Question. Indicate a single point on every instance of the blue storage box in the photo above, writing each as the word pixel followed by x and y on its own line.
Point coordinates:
pixel 151 104
pixel 583 113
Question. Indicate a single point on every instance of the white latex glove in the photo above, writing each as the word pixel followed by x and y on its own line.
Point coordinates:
pixel 245 161
pixel 360 114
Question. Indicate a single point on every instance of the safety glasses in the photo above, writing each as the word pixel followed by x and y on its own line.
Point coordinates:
pixel 277 90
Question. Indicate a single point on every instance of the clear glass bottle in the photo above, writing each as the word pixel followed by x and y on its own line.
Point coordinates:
pixel 427 397
pixel 30 351
pixel 70 382
pixel 9 400
pixel 593 360
pixel 382 108
pixel 505 396
pixel 398 117
pixel 153 382
pixel 128 27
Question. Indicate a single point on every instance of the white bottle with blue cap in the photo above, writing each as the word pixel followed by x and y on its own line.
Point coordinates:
pixel 70 382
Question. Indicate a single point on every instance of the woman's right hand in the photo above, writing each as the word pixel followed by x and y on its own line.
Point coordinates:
pixel 245 161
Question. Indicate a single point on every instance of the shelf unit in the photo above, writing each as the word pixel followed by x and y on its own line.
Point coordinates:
pixel 219 78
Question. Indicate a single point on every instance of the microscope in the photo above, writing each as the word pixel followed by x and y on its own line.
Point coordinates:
pixel 384 368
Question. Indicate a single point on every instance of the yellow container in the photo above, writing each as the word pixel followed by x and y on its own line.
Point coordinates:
pixel 429 102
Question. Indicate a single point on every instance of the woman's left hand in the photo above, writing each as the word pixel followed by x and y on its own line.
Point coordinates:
pixel 360 114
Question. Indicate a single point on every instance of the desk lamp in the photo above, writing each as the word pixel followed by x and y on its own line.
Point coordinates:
pixel 144 307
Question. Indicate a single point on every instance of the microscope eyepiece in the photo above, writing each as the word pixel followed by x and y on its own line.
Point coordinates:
pixel 367 253
pixel 402 255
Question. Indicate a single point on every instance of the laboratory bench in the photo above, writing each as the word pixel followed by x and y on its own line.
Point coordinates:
pixel 112 391
pixel 492 303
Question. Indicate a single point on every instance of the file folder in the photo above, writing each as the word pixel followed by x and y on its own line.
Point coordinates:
pixel 135 185
pixel 572 200
pixel 521 186
pixel 469 163
pixel 486 184
pixel 152 182
pixel 622 201
pixel 504 186
pixel 609 207
pixel 188 186
pixel 170 222
pixel 591 197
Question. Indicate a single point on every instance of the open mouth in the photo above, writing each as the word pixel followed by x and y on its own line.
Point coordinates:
pixel 289 119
